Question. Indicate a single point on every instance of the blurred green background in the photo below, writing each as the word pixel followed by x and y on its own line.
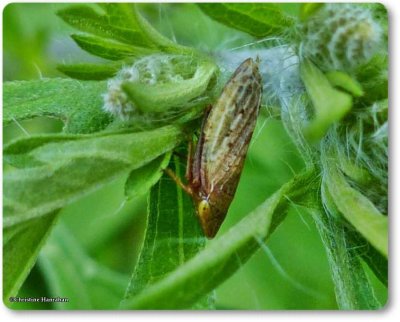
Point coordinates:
pixel 102 232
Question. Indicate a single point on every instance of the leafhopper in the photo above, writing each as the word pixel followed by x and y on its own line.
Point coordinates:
pixel 213 172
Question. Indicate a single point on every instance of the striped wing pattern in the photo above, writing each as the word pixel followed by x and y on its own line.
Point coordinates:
pixel 229 127
pixel 224 142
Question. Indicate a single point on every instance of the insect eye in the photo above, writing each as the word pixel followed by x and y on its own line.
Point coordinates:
pixel 204 209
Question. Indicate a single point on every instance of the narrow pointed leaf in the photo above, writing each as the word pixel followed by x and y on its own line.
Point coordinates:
pixel 78 104
pixel 87 71
pixel 141 180
pixel 107 48
pixel 173 233
pixel 352 287
pixel 21 245
pixel 70 169
pixel 86 19
pixel 164 44
pixel 358 210
pixel 122 14
pixel 345 82
pixel 256 19
pixel 121 22
pixel 330 105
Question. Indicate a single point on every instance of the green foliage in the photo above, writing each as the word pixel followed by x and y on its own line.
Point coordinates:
pixel 357 209
pixel 30 29
pixel 75 157
pixel 373 76
pixel 173 236
pixel 117 33
pixel 125 29
pixel 330 105
pixel 222 257
pixel 352 287
pixel 341 37
pixel 77 103
pixel 141 180
pixel 309 9
pixel 257 19
pixel 158 88
pixel 345 82
pixel 21 246
pixel 107 48
pixel 168 95
pixel 64 158
pixel 89 71
pixel 79 277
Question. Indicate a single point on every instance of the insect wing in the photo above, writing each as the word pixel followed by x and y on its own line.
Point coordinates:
pixel 219 201
pixel 228 131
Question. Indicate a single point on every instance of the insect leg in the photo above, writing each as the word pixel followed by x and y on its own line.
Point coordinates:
pixel 196 162
pixel 189 162
pixel 178 181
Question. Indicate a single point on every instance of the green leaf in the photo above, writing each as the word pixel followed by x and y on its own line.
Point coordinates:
pixel 121 22
pixel 128 16
pixel 16 153
pixel 65 170
pixel 222 256
pixel 78 104
pixel 86 19
pixel 165 96
pixel 256 19
pixel 373 76
pixel 21 245
pixel 107 48
pixel 162 43
pixel 88 71
pixel 173 233
pixel 345 82
pixel 374 259
pixel 122 14
pixel 141 180
pixel 357 209
pixel 330 105
pixel 352 288
pixel 87 284
pixel 307 10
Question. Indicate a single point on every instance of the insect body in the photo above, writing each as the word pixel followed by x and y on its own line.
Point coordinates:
pixel 213 172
